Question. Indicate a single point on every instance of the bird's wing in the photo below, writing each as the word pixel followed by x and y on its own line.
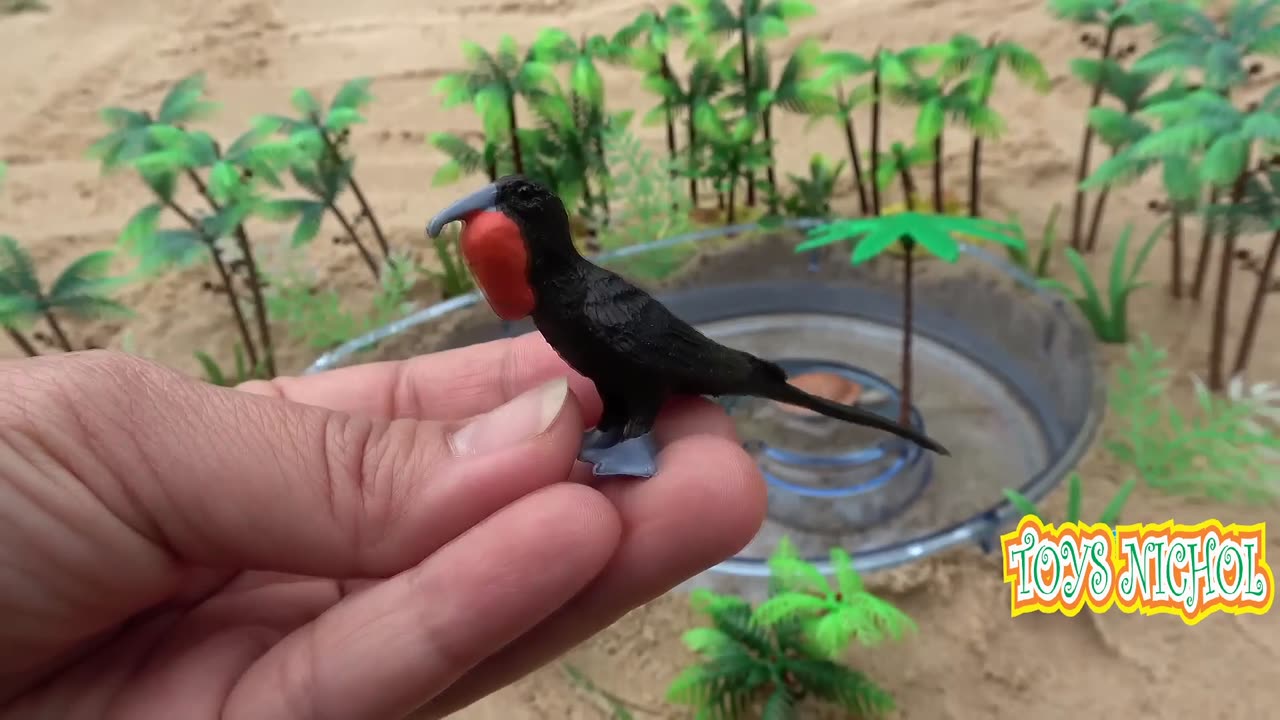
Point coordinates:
pixel 647 335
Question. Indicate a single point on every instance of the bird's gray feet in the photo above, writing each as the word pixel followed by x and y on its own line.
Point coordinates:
pixel 609 457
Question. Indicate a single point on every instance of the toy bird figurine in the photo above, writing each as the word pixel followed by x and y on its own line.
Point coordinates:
pixel 517 242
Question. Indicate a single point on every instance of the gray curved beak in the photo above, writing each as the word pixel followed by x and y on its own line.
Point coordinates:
pixel 486 198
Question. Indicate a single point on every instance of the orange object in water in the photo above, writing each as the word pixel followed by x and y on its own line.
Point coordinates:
pixel 829 385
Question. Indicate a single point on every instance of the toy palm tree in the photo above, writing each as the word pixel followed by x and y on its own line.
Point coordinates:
pixel 707 80
pixel 887 68
pixel 1110 16
pixel 840 69
pixel 753 21
pixel 327 130
pixel 1224 140
pixel 933 232
pixel 984 63
pixel 80 291
pixel 1117 128
pixel 797 90
pixel 565 152
pixel 936 100
pixel 1222 54
pixel 733 152
pixel 655 30
pixel 1258 210
pixel 586 86
pixel 785 651
pixel 465 158
pixel 161 150
pixel 494 81
pixel 1122 130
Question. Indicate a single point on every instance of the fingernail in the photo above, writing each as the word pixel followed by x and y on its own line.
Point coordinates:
pixel 524 417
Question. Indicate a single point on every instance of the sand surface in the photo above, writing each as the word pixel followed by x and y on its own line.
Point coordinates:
pixel 969 660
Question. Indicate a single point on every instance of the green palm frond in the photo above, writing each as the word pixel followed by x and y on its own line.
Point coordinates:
pixel 17 270
pixel 934 233
pixel 845 686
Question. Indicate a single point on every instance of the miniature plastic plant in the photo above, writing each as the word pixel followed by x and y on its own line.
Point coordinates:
pixel 1224 142
pixel 733 154
pixel 1109 17
pixel 1118 128
pixel 1122 130
pixel 1259 210
pixel 1224 54
pixel 886 69
pixel 325 170
pixel 82 290
pixel 754 22
pixel 648 37
pixel 937 99
pixel 1109 317
pixel 13 7
pixel 653 206
pixel 317 316
pixel 1039 268
pixel 586 99
pixel 618 708
pixel 494 82
pixel 1217 451
pixel 840 69
pixel 239 372
pixel 787 650
pixel 932 232
pixel 706 79
pixel 983 63
pixel 464 158
pixel 163 152
pixel 1110 514
pixel 798 89
pixel 810 196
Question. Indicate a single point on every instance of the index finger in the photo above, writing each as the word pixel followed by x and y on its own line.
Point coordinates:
pixel 447 385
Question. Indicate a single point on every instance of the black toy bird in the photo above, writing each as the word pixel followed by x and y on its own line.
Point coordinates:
pixel 519 247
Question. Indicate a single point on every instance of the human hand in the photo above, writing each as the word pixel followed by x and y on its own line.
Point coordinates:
pixel 345 545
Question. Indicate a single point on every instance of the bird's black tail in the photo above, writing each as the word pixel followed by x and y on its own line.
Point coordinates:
pixel 787 393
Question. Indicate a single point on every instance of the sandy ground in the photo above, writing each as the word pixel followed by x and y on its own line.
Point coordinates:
pixel 969 659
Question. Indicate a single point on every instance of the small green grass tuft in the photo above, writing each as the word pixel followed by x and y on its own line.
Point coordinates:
pixel 1217 451
pixel 1110 318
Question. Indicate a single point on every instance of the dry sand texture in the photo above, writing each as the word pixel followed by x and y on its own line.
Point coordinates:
pixel 969 659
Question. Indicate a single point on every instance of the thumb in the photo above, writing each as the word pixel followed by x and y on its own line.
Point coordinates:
pixel 224 478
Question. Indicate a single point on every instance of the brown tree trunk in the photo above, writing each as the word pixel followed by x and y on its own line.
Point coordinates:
pixel 908 246
pixel 1095 224
pixel 1223 296
pixel 875 138
pixel 939 206
pixel 1176 256
pixel 1206 250
pixel 1086 148
pixel 975 166
pixel 58 334
pixel 22 342
pixel 1255 307
pixel 851 140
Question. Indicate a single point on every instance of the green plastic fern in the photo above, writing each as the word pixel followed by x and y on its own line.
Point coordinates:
pixel 786 650
pixel 653 206
pixel 1215 451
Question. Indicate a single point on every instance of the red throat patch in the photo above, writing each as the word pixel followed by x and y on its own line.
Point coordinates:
pixel 493 247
